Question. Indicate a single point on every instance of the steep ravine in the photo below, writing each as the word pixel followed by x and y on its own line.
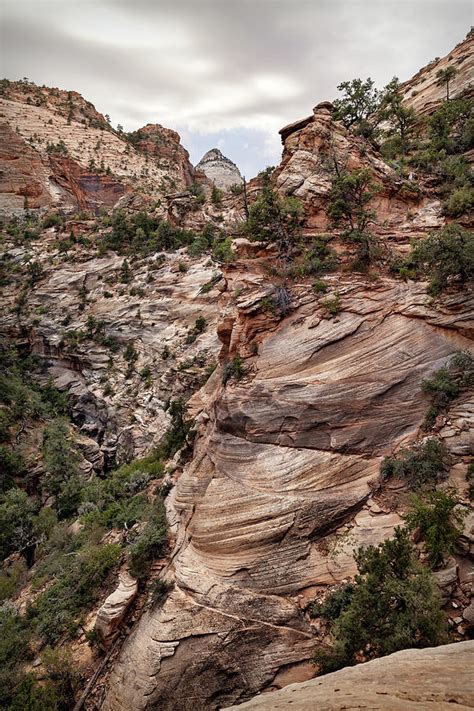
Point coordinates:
pixel 283 487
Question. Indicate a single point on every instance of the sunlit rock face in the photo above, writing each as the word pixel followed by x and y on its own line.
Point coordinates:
pixel 223 173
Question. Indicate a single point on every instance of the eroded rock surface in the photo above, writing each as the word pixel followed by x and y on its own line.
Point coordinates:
pixel 434 679
pixel 219 169
pixel 282 487
pixel 113 610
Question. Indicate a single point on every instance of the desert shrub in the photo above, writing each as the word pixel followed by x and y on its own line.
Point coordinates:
pixel 222 250
pixel 332 305
pixel 60 458
pixel 178 433
pixel 446 256
pixel 216 196
pixel 348 205
pixel 438 519
pixel 62 675
pixel 143 233
pixel 400 118
pixel 459 202
pixel 335 604
pixel 421 465
pixel 318 259
pixel 12 578
pixel 395 605
pixel 52 220
pixel 447 383
pixel 320 287
pixel 150 544
pixel 359 101
pixel 55 612
pixel 273 219
pixel 14 650
pixel 233 369
pixel 17 519
pixel 452 126
pixel 27 693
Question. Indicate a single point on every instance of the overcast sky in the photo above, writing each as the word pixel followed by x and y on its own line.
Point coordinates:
pixel 226 73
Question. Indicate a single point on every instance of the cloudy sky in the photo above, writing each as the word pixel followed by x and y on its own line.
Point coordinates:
pixel 226 73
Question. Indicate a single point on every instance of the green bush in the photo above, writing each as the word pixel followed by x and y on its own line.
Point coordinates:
pixel 177 435
pixel 348 205
pixel 17 519
pixel 460 202
pixel 438 519
pixel 335 604
pixel 52 220
pixel 273 219
pixel 447 256
pixel 421 465
pixel 14 650
pixel 144 234
pixel 233 369
pixel 150 544
pixel 395 605
pixel 332 305
pixel 60 458
pixel 55 612
pixel 447 383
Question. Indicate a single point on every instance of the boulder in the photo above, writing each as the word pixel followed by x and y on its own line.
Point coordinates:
pixel 114 609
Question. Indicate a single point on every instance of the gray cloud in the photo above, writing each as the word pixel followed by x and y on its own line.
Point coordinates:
pixel 220 67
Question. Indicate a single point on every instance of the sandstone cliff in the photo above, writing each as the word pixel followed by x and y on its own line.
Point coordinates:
pixel 283 485
pixel 81 160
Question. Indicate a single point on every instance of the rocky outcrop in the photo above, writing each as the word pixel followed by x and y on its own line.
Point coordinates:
pixel 311 149
pixel 219 169
pixel 283 485
pixel 112 612
pixel 24 177
pixel 425 93
pixel 155 311
pixel 164 145
pixel 418 679
pixel 74 158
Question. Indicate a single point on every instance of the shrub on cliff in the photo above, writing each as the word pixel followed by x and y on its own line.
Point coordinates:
pixel 421 465
pixel 273 219
pixel 447 383
pixel 359 101
pixel 348 205
pixel 150 544
pixel 447 256
pixel 452 126
pixel 400 118
pixel 438 519
pixel 395 605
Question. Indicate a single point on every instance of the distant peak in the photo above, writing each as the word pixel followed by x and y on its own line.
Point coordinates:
pixel 221 170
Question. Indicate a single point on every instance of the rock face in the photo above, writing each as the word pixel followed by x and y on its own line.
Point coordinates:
pixel 113 610
pixel 65 153
pixel 155 312
pixel 283 486
pixel 419 679
pixel 424 92
pixel 223 173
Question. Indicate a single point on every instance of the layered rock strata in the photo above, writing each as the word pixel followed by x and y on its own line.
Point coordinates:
pixel 420 679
